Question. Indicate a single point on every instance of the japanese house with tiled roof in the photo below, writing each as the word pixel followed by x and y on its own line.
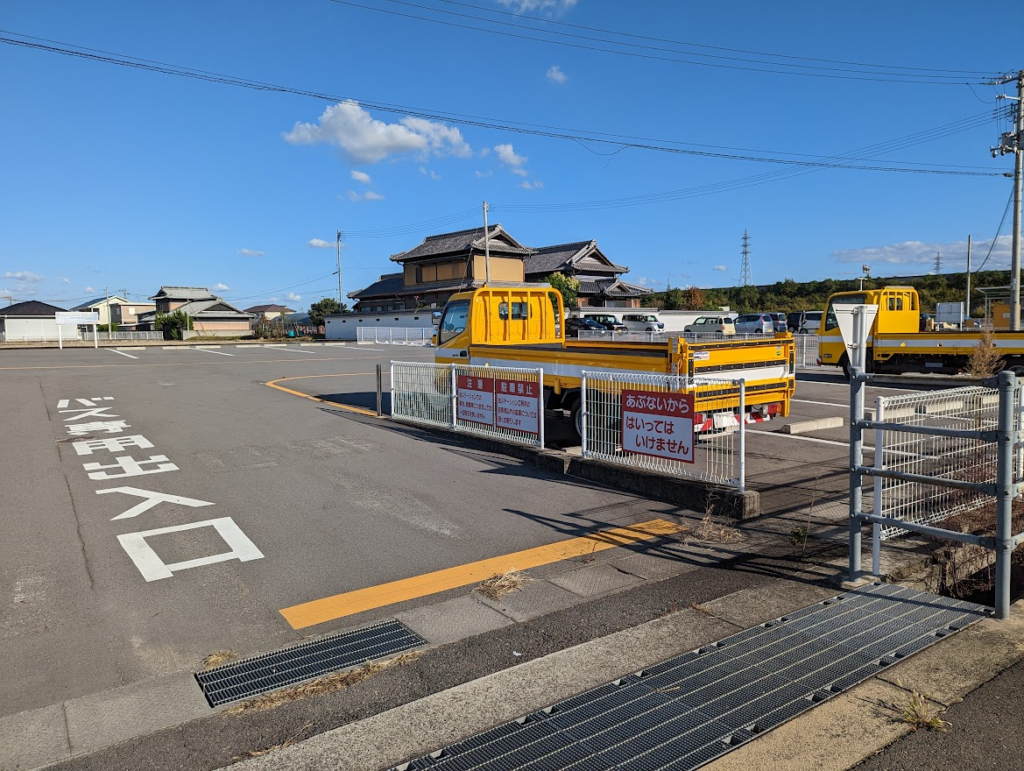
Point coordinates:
pixel 453 262
pixel 211 316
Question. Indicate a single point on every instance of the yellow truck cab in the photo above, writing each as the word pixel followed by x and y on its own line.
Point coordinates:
pixel 896 343
pixel 521 325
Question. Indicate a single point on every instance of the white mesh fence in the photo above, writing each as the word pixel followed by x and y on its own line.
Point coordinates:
pixel 634 420
pixel 503 403
pixel 806 351
pixel 394 335
pixel 957 458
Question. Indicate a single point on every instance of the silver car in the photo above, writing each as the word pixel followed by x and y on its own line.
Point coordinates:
pixel 755 324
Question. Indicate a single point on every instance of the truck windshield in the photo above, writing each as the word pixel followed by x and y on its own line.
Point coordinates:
pixel 830 314
pixel 454 320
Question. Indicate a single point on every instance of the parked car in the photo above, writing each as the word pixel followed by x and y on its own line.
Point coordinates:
pixel 755 324
pixel 779 322
pixel 643 322
pixel 608 320
pixel 804 322
pixel 574 326
pixel 711 325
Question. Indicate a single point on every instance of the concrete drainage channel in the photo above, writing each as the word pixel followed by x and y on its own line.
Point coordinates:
pixel 689 710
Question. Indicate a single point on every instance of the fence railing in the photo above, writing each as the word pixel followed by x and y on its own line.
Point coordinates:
pixel 958 458
pixel 129 335
pixel 499 402
pixel 394 335
pixel 806 351
pixel 639 420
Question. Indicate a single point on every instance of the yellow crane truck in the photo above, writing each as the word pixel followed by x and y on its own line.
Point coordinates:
pixel 521 325
pixel 896 343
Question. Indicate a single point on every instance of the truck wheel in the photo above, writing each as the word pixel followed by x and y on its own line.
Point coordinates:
pixel 576 417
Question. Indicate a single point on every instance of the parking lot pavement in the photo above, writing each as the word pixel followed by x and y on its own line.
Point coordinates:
pixel 159 508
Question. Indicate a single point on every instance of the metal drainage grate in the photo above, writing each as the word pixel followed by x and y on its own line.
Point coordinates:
pixel 685 712
pixel 258 674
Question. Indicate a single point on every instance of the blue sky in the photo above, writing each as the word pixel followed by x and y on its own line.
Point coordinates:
pixel 127 178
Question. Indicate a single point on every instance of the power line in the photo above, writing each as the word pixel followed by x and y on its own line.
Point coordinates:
pixel 999 230
pixel 801 69
pixel 488 123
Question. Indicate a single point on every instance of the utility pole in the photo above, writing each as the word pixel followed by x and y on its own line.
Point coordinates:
pixel 487 249
pixel 1013 142
pixel 339 272
pixel 745 265
pixel 967 299
pixel 109 319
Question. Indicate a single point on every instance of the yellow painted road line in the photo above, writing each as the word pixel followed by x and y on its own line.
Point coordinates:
pixel 349 408
pixel 341 605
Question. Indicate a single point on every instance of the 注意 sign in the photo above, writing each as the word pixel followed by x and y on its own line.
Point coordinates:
pixel 517 405
pixel 658 424
pixel 476 399
pixel 496 403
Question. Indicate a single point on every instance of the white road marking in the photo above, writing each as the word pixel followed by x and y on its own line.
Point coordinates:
pixel 296 350
pixel 803 438
pixel 824 404
pixel 153 568
pixel 207 350
pixel 114 350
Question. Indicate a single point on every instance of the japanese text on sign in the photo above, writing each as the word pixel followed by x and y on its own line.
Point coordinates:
pixel 476 399
pixel 511 404
pixel 658 424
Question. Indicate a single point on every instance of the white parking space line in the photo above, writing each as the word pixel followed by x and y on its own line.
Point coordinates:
pixel 823 404
pixel 207 350
pixel 296 350
pixel 114 350
pixel 804 439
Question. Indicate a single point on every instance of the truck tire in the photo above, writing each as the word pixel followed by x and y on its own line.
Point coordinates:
pixel 576 417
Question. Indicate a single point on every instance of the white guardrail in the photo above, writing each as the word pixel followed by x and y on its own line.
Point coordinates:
pixel 394 335
pixel 101 335
pixel 647 422
pixel 498 402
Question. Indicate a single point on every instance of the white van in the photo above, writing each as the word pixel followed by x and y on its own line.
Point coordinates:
pixel 642 321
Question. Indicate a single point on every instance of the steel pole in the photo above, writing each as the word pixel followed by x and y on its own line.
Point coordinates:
pixel 1018 174
pixel 1004 493
pixel 856 440
pixel 876 529
pixel 380 393
pixel 742 449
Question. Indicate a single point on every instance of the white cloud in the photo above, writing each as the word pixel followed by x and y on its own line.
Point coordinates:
pixel 484 152
pixel 521 172
pixel 361 176
pixel 250 253
pixel 65 280
pixel 720 268
pixel 528 185
pixel 291 296
pixel 919 254
pixel 221 288
pixel 369 195
pixel 547 7
pixel 90 289
pixel 429 173
pixel 319 243
pixel 555 74
pixel 508 156
pixel 23 275
pixel 366 140
pixel 483 174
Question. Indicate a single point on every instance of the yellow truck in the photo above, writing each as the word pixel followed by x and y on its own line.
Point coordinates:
pixel 896 343
pixel 521 325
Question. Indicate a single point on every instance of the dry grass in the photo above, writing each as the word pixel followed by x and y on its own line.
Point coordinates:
pixel 286 743
pixel 918 712
pixel 984 360
pixel 217 658
pixel 500 584
pixel 322 685
pixel 702 609
pixel 709 531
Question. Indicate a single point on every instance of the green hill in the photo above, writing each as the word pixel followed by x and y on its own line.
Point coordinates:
pixel 789 295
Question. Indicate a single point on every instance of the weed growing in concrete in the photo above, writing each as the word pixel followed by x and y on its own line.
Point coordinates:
pixel 984 360
pixel 702 609
pixel 798 536
pixel 217 658
pixel 286 743
pixel 919 712
pixel 499 584
pixel 709 531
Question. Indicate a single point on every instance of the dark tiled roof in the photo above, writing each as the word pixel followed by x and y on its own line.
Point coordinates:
pixel 30 308
pixel 387 286
pixel 269 309
pixel 183 293
pixel 213 307
pixel 592 285
pixel 463 241
pixel 569 258
pixel 98 301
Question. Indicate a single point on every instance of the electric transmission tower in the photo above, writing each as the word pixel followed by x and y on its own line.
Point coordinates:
pixel 938 263
pixel 745 266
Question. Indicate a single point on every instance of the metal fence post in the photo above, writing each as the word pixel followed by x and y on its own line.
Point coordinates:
pixel 454 398
pixel 742 449
pixel 876 529
pixel 380 394
pixel 1004 493
pixel 583 415
pixel 393 402
pixel 856 459
pixel 540 404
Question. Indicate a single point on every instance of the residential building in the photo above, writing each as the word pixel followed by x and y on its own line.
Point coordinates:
pixel 453 262
pixel 268 312
pixel 116 309
pixel 211 316
pixel 31 322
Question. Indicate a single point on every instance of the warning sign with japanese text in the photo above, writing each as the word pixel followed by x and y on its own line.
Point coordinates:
pixel 658 424
pixel 476 399
pixel 517 405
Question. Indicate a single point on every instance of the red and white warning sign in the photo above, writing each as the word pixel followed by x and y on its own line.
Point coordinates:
pixel 495 403
pixel 517 405
pixel 476 399
pixel 658 424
